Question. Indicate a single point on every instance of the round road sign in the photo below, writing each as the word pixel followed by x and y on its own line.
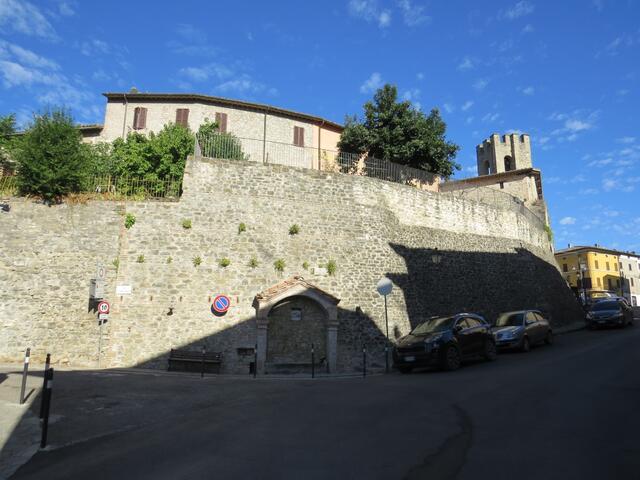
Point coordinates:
pixel 221 303
pixel 384 286
pixel 103 307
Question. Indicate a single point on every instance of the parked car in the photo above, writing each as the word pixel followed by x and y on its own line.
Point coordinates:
pixel 522 329
pixel 614 312
pixel 445 341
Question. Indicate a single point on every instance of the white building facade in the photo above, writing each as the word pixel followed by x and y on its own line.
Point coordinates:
pixel 630 277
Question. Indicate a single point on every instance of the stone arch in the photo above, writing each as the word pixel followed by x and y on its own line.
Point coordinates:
pixel 508 163
pixel 295 292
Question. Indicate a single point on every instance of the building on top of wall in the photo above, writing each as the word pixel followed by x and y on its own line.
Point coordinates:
pixel 266 132
pixel 505 164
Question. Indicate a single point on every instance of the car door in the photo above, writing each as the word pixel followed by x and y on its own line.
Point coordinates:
pixel 464 336
pixel 476 332
pixel 543 325
pixel 532 327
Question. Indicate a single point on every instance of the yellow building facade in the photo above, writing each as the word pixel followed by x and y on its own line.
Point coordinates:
pixel 590 271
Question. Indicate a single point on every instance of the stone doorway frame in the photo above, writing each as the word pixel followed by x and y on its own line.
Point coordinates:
pixel 295 287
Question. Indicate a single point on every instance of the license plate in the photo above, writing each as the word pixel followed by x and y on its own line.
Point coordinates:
pixel 409 359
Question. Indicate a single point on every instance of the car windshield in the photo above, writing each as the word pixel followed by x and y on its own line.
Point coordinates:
pixel 510 319
pixel 600 306
pixel 434 325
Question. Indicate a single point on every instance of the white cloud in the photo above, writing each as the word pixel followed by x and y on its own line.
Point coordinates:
pixel 191 41
pixel 575 125
pixel 467 105
pixel 412 14
pixel 23 17
pixel 481 84
pixel 244 84
pixel 520 9
pixel 369 11
pixel 568 221
pixel 609 184
pixel 490 117
pixel 412 94
pixel 94 47
pixel 373 83
pixel 626 140
pixel 448 108
pixel 527 90
pixel 420 76
pixel 588 191
pixel 466 64
pixel 528 28
pixel 469 120
pixel 65 9
pixel 601 163
pixel 25 57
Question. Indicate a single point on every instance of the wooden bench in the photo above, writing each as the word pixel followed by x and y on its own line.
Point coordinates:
pixel 194 361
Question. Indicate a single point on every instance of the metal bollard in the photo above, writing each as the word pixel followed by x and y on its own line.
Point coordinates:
pixel 27 355
pixel 313 361
pixel 364 361
pixel 47 406
pixel 255 361
pixel 204 351
pixel 47 363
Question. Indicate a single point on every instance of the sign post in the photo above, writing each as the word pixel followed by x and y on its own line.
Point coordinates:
pixel 103 316
pixel 384 288
pixel 220 305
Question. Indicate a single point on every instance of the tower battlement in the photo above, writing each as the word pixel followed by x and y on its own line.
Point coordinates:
pixel 498 154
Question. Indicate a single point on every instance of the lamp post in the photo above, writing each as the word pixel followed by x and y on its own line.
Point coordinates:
pixel 384 288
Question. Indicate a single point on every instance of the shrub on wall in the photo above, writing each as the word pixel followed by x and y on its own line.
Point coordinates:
pixel 51 161
pixel 186 224
pixel 214 144
pixel 253 263
pixel 279 265
pixel 140 259
pixel 197 261
pixel 129 221
pixel 224 262
pixel 242 228
pixel 331 267
pixel 294 229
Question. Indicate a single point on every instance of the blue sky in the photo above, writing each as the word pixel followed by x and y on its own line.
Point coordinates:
pixel 567 73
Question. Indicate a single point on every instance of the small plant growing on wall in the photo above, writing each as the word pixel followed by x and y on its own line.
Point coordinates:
pixel 294 229
pixel 242 228
pixel 186 223
pixel 116 263
pixel 129 221
pixel 547 229
pixel 305 265
pixel 169 259
pixel 331 267
pixel 224 262
pixel 140 259
pixel 279 265
pixel 197 261
pixel 253 263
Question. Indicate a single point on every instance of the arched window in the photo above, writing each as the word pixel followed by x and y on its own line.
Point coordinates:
pixel 487 167
pixel 508 163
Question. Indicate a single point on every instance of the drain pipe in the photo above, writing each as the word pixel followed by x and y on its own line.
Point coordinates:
pixel 124 122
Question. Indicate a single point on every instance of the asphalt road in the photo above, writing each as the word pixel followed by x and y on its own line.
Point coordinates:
pixel 569 411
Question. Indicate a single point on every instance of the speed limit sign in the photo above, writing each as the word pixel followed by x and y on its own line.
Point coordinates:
pixel 103 307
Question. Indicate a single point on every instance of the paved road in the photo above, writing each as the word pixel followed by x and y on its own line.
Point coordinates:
pixel 569 411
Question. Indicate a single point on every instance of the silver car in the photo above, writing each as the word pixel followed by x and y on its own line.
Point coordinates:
pixel 521 330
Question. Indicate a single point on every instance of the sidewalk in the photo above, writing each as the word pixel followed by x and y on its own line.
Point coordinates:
pixel 19 426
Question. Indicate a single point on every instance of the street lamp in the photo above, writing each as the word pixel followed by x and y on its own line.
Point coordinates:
pixel 581 272
pixel 384 288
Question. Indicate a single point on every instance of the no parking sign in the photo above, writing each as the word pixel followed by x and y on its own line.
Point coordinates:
pixel 220 304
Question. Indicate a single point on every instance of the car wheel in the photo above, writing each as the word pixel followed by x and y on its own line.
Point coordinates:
pixel 526 345
pixel 549 338
pixel 405 369
pixel 451 359
pixel 490 351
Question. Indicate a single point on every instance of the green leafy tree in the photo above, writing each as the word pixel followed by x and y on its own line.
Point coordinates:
pixel 51 160
pixel 214 144
pixel 7 127
pixel 400 133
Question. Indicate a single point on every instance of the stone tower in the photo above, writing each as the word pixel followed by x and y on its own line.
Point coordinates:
pixel 502 154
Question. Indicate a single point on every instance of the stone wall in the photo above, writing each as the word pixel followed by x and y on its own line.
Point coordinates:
pixel 491 259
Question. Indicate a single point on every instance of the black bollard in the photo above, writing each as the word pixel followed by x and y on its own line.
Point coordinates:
pixel 313 362
pixel 44 383
pixel 364 361
pixel 27 355
pixel 48 390
pixel 204 351
pixel 255 361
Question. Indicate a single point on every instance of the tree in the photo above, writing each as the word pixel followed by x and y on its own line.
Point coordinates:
pixel 51 161
pixel 7 127
pixel 400 133
pixel 214 144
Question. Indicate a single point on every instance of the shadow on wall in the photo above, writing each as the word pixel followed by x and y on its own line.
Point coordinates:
pixel 442 282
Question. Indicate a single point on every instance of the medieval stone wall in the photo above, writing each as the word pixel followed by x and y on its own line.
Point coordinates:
pixel 444 254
